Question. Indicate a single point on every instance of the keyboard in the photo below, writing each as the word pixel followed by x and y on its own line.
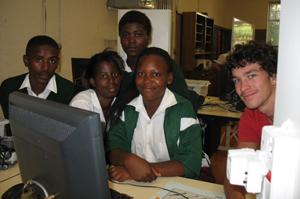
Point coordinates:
pixel 116 195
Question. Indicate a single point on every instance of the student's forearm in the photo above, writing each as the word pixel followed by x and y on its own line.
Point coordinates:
pixel 233 191
pixel 169 168
pixel 117 157
pixel 138 168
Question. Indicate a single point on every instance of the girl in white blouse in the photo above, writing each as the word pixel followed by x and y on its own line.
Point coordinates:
pixel 104 75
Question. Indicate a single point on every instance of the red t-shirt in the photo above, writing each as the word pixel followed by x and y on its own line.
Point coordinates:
pixel 250 125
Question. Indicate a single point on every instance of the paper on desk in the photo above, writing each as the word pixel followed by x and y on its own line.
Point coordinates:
pixel 189 192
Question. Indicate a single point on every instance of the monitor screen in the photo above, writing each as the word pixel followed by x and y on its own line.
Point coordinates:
pixel 59 146
pixel 78 67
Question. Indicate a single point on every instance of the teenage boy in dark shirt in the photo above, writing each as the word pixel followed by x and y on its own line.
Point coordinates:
pixel 41 58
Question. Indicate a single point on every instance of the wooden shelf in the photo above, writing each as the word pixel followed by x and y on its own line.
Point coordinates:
pixel 197 43
pixel 197 35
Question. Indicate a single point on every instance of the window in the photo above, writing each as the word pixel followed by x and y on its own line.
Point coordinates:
pixel 273 21
pixel 242 32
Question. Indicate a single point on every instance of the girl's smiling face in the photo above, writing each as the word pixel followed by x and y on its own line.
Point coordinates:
pixel 152 78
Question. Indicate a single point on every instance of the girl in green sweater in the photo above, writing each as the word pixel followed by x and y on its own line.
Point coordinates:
pixel 154 132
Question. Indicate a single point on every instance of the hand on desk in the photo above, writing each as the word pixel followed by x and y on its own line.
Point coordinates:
pixel 135 168
pixel 140 169
pixel 119 173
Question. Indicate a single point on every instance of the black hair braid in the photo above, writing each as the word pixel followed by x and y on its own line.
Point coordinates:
pixel 121 102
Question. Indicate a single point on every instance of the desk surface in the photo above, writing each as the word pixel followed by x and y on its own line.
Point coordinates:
pixel 12 176
pixel 217 111
pixel 9 177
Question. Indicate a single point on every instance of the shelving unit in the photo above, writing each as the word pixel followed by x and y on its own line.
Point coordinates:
pixel 222 41
pixel 197 39
pixel 197 43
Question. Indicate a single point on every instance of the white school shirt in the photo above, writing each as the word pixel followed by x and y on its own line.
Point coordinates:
pixel 149 140
pixel 51 86
pixel 88 100
pixel 126 67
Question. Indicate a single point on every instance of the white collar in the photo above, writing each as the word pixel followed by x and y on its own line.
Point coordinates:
pixel 126 67
pixel 95 101
pixel 167 101
pixel 51 86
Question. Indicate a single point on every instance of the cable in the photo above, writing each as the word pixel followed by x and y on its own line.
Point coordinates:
pixel 30 182
pixel 113 181
pixel 230 108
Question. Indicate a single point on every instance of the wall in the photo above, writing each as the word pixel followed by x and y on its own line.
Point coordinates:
pixel 84 27
pixel 254 12
pixel 222 11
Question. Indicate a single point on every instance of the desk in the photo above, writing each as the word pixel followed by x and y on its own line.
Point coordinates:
pixel 12 176
pixel 9 177
pixel 218 112
pixel 212 114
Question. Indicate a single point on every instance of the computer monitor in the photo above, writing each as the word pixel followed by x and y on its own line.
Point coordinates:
pixel 78 67
pixel 228 92
pixel 226 85
pixel 59 146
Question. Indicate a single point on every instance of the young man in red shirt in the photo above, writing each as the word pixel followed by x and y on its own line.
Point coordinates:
pixel 253 69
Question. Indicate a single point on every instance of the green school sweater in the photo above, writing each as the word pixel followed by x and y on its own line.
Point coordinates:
pixel 189 151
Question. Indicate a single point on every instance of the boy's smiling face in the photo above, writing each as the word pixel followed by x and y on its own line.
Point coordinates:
pixel 152 78
pixel 41 62
pixel 255 86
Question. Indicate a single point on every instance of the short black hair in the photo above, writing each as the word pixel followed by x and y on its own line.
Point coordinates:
pixel 134 16
pixel 264 54
pixel 158 52
pixel 41 40
pixel 105 56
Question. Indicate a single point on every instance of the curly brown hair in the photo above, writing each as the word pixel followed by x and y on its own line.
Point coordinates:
pixel 264 54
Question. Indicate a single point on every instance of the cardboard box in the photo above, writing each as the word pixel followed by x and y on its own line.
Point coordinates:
pixel 199 86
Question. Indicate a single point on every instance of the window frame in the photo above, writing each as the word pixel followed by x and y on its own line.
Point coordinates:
pixel 272 20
